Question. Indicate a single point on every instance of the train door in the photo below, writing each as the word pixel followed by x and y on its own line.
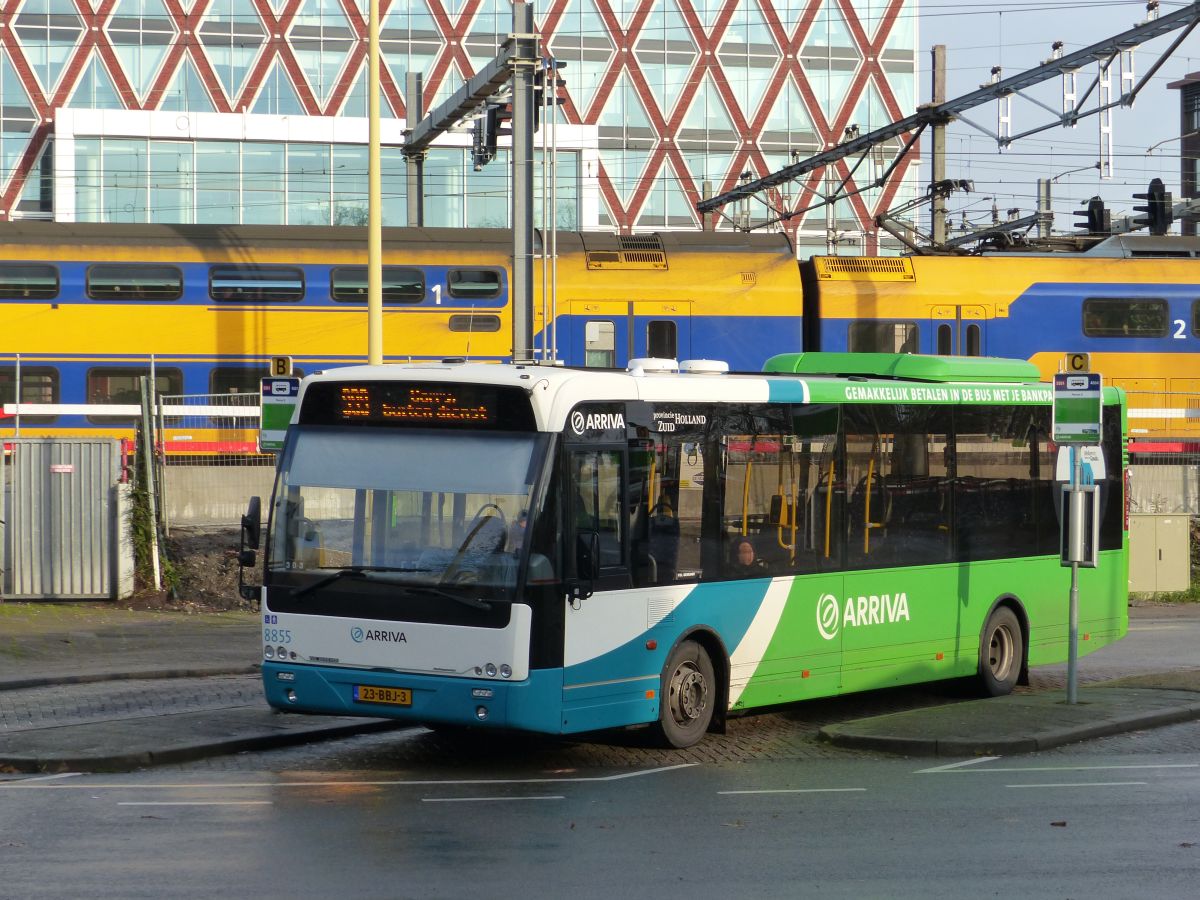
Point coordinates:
pixel 597 335
pixel 958 330
pixel 606 334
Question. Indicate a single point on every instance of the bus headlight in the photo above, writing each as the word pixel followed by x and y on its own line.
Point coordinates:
pixel 490 670
pixel 506 671
pixel 269 652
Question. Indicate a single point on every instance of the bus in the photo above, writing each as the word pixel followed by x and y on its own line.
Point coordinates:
pixel 565 551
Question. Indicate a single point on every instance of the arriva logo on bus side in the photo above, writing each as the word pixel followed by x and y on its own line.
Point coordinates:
pixel 875 609
pixel 596 421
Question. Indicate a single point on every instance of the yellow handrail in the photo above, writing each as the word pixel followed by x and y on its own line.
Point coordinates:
pixel 828 508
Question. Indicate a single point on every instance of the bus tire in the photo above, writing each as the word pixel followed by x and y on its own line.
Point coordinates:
pixel 689 691
pixel 1001 653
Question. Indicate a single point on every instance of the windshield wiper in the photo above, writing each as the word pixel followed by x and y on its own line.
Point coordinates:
pixel 380 573
pixel 352 571
pixel 473 602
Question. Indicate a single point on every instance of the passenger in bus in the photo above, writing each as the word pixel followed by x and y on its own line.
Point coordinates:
pixel 746 563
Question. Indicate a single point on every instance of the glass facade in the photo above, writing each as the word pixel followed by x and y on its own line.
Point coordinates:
pixel 683 96
pixel 268 183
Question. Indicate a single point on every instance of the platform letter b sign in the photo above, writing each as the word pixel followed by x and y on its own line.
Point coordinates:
pixel 281 366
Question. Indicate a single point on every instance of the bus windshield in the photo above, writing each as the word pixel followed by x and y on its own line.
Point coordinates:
pixel 423 508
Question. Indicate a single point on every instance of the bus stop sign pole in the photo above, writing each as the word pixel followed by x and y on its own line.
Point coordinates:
pixel 1076 423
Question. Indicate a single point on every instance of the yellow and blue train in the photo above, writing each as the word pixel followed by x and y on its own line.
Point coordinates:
pixel 85 310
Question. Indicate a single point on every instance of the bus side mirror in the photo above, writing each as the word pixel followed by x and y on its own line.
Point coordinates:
pixel 251 535
pixel 252 525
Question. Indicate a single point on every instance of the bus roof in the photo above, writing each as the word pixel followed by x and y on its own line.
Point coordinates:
pixel 976 369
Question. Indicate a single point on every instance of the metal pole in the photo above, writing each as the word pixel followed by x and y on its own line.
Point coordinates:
pixel 937 171
pixel 148 467
pixel 17 398
pixel 548 77
pixel 522 168
pixel 554 220
pixel 374 197
pixel 414 105
pixel 1074 541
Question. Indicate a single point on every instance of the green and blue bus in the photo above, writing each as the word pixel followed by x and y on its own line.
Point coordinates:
pixel 564 551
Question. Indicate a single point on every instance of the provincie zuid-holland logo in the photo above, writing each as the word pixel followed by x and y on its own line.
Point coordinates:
pixel 873 609
pixel 581 422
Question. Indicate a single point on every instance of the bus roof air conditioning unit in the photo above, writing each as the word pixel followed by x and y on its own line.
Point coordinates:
pixel 652 365
pixel 704 367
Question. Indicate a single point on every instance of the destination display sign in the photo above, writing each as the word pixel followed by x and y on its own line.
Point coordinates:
pixel 416 405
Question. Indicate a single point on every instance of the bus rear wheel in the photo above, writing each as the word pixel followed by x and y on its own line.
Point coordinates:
pixel 688 694
pixel 1001 653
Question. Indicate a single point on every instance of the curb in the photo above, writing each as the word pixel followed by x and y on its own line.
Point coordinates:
pixel 19 684
pixel 852 734
pixel 263 733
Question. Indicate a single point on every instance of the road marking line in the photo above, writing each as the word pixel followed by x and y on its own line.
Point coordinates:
pixel 52 777
pixel 797 791
pixel 957 765
pixel 485 799
pixel 195 803
pixel 1081 768
pixel 1080 784
pixel 588 779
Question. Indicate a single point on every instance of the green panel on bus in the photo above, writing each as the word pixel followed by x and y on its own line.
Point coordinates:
pixel 975 369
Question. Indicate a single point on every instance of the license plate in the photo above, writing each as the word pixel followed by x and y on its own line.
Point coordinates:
pixel 369 693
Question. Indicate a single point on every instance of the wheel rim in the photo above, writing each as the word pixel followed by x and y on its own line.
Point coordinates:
pixel 689 694
pixel 1000 654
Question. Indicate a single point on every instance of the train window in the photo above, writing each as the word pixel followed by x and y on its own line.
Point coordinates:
pixel 121 384
pixel 256 284
pixel 945 340
pixel 599 345
pixel 662 339
pixel 474 323
pixel 28 281
pixel 1124 317
pixel 348 284
pixel 39 384
pixel 974 340
pixel 474 284
pixel 1196 318
pixel 110 281
pixel 884 337
pixel 239 380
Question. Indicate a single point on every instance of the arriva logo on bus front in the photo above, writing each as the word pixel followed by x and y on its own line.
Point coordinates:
pixel 875 609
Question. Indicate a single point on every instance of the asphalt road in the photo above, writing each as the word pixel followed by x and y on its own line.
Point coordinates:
pixel 766 811
pixel 1095 825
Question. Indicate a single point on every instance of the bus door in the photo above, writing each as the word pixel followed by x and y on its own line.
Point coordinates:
pixel 662 330
pixel 601 677
pixel 958 330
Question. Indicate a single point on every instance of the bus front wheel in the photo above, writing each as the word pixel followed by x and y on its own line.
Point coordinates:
pixel 1001 652
pixel 688 694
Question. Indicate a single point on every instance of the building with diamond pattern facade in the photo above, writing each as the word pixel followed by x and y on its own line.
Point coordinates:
pixel 254 111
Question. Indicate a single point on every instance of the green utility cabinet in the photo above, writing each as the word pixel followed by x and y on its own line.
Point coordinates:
pixel 1159 557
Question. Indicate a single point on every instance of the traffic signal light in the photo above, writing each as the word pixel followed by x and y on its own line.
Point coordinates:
pixel 1099 219
pixel 1159 214
pixel 483 141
